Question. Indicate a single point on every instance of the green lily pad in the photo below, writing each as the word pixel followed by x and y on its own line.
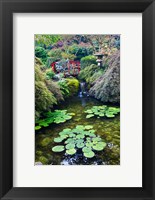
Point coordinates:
pixel 37 127
pixel 89 154
pixel 71 151
pixel 79 141
pixel 72 135
pixel 86 149
pixel 89 144
pixel 88 127
pixel 99 146
pixel 69 140
pixel 102 111
pixel 80 145
pixel 81 136
pixel 70 146
pixel 89 116
pixel 59 148
pixel 58 139
pixel 64 136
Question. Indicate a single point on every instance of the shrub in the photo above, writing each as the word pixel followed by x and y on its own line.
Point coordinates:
pixel 55 54
pixel 73 86
pixel 80 51
pixel 64 88
pixel 87 61
pixel 41 53
pixel 44 99
pixel 54 88
pixel 90 73
pixel 49 74
pixel 107 87
pixel 68 56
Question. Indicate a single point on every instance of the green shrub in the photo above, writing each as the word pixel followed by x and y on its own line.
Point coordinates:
pixel 64 88
pixel 68 56
pixel 80 51
pixel 73 86
pixel 87 61
pixel 41 53
pixel 44 99
pixel 90 74
pixel 54 88
pixel 55 55
pixel 49 74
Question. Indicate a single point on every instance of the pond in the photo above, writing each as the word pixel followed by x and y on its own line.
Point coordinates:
pixel 107 129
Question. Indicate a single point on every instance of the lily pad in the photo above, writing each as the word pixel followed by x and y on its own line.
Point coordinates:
pixel 99 146
pixel 70 146
pixel 88 127
pixel 59 148
pixel 71 151
pixel 58 139
pixel 102 111
pixel 37 127
pixel 89 154
pixel 89 116
pixel 80 145
pixel 86 149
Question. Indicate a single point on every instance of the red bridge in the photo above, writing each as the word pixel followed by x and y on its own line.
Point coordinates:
pixel 71 67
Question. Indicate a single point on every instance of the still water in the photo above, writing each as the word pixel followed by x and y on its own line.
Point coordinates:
pixel 107 129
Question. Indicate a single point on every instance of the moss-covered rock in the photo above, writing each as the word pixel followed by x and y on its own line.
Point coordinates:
pixel 73 86
pixel 45 142
pixel 107 87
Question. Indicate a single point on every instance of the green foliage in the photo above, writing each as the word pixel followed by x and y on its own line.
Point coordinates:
pixel 64 88
pixel 80 51
pixel 90 73
pixel 107 87
pixel 44 99
pixel 41 53
pixel 59 148
pixel 73 86
pixel 55 55
pixel 68 56
pixel 49 74
pixel 54 88
pixel 81 138
pixel 58 116
pixel 102 111
pixel 47 39
pixel 87 61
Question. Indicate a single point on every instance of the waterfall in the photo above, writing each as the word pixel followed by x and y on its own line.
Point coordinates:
pixel 82 89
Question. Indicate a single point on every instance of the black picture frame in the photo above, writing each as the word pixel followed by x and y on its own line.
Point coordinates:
pixel 7 8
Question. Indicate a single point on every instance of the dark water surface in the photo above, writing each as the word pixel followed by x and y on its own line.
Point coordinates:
pixel 108 129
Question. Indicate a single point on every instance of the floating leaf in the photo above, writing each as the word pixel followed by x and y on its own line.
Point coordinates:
pixel 71 151
pixel 70 146
pixel 88 127
pixel 80 145
pixel 99 146
pixel 58 139
pixel 72 135
pixel 86 149
pixel 37 127
pixel 102 111
pixel 89 116
pixel 59 148
pixel 58 116
pixel 89 154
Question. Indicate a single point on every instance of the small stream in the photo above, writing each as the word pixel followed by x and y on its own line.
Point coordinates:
pixel 108 129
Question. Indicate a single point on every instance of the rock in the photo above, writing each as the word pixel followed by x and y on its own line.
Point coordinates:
pixel 43 160
pixel 107 87
pixel 39 153
pixel 45 142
